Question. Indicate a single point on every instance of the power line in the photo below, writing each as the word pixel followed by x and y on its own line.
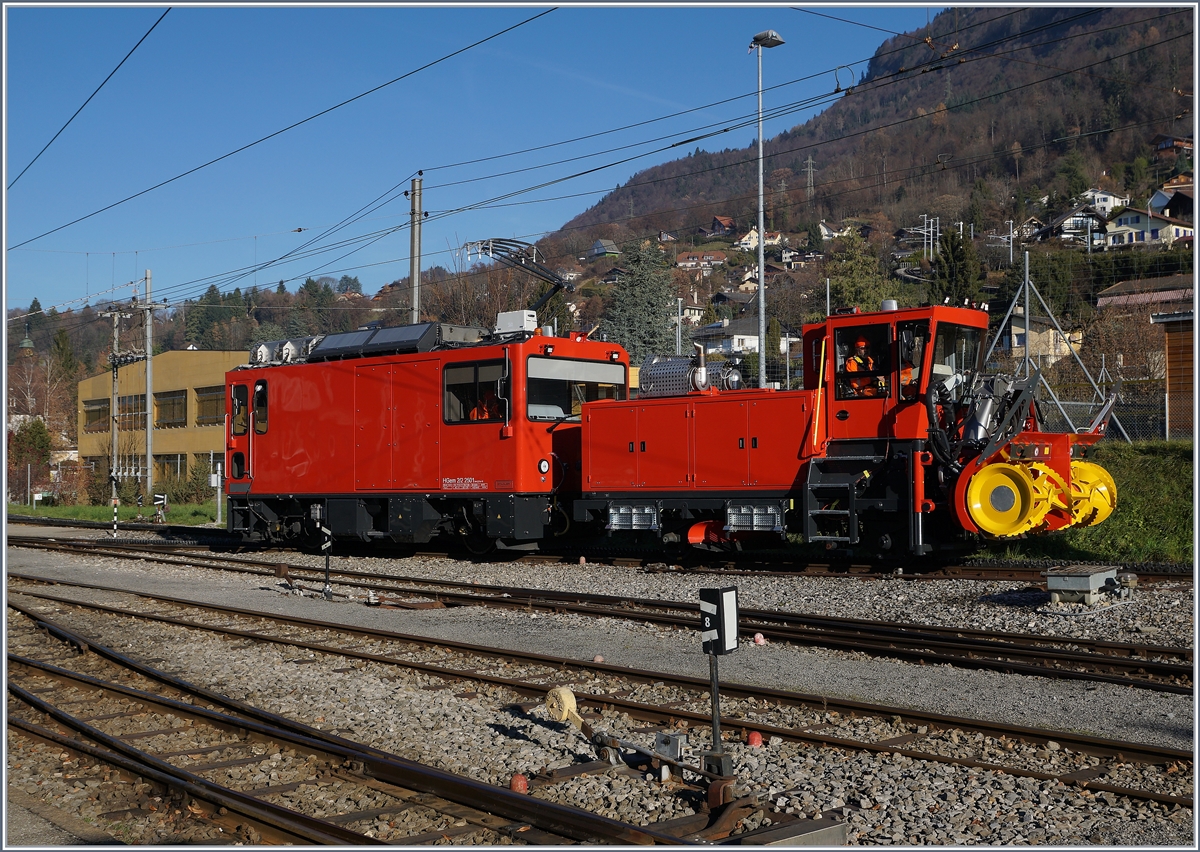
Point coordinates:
pixel 92 95
pixel 497 201
pixel 285 129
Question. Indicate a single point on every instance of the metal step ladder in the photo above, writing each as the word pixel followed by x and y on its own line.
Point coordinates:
pixel 825 488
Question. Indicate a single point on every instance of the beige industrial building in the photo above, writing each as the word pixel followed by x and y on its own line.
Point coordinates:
pixel 189 413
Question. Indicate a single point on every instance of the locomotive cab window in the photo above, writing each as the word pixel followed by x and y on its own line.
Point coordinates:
pixel 476 392
pixel 863 362
pixel 911 339
pixel 558 387
pixel 956 354
pixel 240 403
pixel 260 408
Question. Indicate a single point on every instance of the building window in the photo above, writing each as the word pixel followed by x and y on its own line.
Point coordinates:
pixel 170 465
pixel 170 409
pixel 1154 234
pixel 210 406
pixel 207 461
pixel 96 415
pixel 131 412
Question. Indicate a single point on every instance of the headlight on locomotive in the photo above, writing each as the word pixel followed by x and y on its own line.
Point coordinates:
pixel 543 466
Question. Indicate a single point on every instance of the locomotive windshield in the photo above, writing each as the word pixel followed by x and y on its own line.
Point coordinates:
pixel 558 386
pixel 956 350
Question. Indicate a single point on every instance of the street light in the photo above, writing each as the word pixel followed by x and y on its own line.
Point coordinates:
pixel 767 38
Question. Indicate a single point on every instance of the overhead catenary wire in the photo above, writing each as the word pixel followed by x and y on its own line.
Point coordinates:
pixel 500 200
pixel 292 126
pixel 89 99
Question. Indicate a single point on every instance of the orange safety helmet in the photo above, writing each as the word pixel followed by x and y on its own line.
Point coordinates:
pixel 862 341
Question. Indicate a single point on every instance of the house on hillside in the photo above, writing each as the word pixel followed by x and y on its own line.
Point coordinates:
pixel 828 232
pixel 1174 204
pixel 1142 226
pixel 735 300
pixel 702 261
pixel 1028 228
pixel 692 312
pixel 664 237
pixel 738 336
pixel 1046 344
pixel 1183 180
pixel 796 259
pixel 750 241
pixel 1171 145
pixel 1103 200
pixel 613 276
pixel 722 226
pixel 603 248
pixel 1167 294
pixel 1083 225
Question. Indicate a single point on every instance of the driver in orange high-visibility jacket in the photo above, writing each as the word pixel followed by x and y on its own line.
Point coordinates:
pixel 862 362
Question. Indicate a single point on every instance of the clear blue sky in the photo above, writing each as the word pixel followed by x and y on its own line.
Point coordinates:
pixel 210 80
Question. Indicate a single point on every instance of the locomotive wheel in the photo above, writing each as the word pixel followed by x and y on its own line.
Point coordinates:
pixel 1003 500
pixel 1093 493
pixel 478 544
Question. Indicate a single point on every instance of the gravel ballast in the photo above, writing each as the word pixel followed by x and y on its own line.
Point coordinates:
pixel 886 798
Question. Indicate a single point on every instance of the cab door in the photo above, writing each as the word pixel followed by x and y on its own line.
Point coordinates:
pixel 237 445
pixel 862 381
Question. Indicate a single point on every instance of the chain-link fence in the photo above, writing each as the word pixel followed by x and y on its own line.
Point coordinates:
pixel 1139 415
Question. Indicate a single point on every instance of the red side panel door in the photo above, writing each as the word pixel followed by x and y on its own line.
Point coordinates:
pixel 372 427
pixel 611 449
pixel 663 445
pixel 417 425
pixel 722 447
pixel 777 425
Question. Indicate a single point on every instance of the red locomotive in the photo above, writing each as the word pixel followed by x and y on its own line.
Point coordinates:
pixel 898 442
pixel 405 432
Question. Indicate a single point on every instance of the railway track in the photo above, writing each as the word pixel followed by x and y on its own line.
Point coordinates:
pixel 1126 769
pixel 697 562
pixel 1141 665
pixel 296 782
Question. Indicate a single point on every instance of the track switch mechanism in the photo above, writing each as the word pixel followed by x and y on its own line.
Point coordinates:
pixel 562 707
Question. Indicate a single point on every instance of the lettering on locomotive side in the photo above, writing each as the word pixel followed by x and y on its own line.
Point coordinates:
pixel 463 483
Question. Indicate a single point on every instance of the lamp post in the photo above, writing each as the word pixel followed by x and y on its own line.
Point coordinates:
pixel 767 38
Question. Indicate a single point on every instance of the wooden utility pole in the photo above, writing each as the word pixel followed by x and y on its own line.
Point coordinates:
pixel 414 253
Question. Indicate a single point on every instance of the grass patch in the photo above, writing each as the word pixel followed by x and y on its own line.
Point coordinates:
pixel 185 514
pixel 1153 521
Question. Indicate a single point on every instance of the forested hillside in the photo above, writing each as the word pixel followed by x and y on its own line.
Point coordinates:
pixel 985 117
pixel 975 118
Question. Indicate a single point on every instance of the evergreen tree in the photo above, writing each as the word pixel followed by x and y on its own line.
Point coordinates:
pixel 640 315
pixel 955 270
pixel 855 278
pixel 29 446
